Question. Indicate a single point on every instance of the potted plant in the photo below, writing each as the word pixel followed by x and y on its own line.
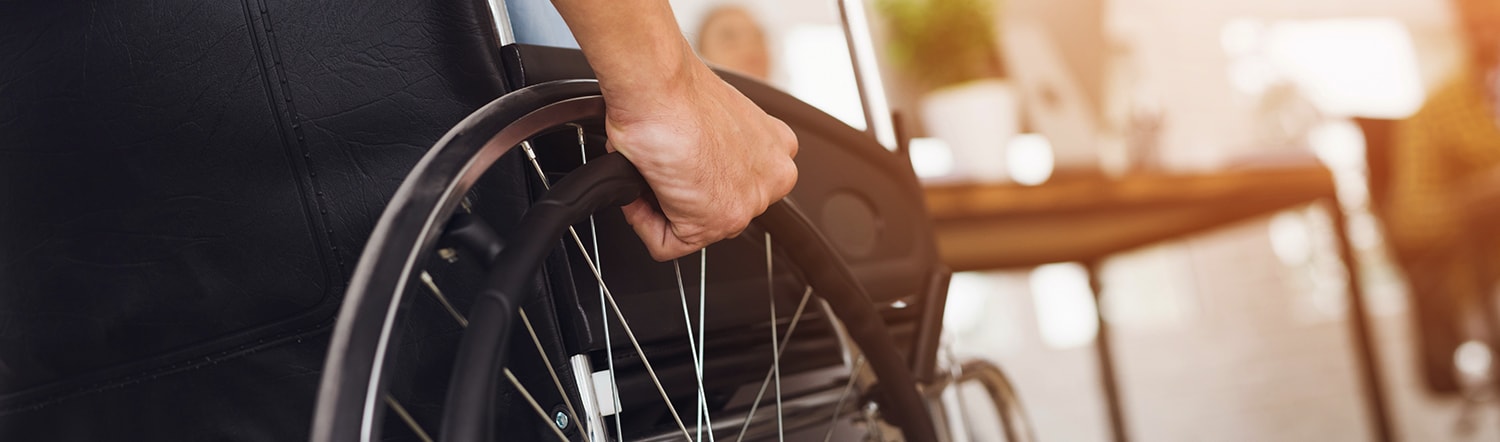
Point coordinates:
pixel 947 49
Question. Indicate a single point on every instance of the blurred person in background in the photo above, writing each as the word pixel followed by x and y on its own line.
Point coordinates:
pixel 731 38
pixel 1445 165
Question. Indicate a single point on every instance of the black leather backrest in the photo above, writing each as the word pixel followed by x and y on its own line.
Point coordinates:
pixel 179 179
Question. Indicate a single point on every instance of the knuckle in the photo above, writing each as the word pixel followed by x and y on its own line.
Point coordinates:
pixel 744 220
pixel 738 228
pixel 788 139
pixel 730 225
pixel 734 226
pixel 787 180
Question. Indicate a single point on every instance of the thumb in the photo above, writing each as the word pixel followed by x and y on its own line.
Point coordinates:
pixel 655 231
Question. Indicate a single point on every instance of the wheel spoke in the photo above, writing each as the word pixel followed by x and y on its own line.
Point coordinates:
pixel 535 406
pixel 847 350
pixel 531 155
pixel 775 346
pixel 609 344
pixel 765 383
pixel 568 402
pixel 629 333
pixel 437 293
pixel 406 417
pixel 609 347
pixel 619 315
pixel 703 337
pixel 854 375
pixel 693 348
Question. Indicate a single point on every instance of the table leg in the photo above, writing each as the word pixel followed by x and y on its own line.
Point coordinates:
pixel 1359 323
pixel 1108 382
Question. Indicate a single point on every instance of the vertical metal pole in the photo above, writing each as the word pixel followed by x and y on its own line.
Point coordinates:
pixel 593 417
pixel 500 17
pixel 1108 382
pixel 928 339
pixel 1359 324
pixel 877 108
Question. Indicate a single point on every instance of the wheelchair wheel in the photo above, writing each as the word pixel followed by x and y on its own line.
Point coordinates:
pixel 429 341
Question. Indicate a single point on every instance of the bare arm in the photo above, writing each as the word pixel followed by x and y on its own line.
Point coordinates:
pixel 712 157
pixel 633 45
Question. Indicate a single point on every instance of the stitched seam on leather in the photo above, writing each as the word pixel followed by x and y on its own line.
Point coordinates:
pixel 171 369
pixel 291 115
pixel 198 359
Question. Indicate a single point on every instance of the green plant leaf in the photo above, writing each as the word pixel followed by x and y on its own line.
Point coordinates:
pixel 942 42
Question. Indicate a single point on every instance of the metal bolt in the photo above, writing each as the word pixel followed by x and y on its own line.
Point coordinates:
pixel 448 254
pixel 561 419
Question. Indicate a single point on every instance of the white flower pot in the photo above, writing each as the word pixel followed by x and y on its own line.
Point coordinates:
pixel 976 119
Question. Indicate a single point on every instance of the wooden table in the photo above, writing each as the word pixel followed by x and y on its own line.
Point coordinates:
pixel 1006 226
pixel 1087 219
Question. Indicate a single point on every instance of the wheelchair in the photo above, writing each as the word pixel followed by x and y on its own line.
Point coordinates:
pixel 495 295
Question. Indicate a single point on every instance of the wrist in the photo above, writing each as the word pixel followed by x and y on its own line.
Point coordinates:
pixel 636 49
pixel 652 74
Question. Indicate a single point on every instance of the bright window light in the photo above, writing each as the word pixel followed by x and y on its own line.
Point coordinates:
pixel 1029 158
pixel 931 157
pixel 1242 36
pixel 967 292
pixel 1291 239
pixel 1151 288
pixel 1252 75
pixel 819 72
pixel 1339 143
pixel 1360 67
pixel 1473 359
pixel 1065 308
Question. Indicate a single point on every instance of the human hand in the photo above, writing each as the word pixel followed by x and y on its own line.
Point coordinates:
pixel 713 159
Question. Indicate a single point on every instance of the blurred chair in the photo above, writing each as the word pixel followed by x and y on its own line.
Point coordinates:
pixel 1443 321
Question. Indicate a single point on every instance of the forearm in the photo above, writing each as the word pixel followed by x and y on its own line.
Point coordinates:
pixel 713 158
pixel 634 46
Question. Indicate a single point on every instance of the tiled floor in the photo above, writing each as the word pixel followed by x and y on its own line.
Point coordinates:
pixel 1216 340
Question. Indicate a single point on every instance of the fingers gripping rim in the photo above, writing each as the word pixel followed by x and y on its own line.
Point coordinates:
pixel 348 402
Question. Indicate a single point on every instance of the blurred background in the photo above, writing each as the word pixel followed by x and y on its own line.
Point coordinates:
pixel 1178 220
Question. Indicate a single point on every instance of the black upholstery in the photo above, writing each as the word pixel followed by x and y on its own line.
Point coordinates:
pixel 184 188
